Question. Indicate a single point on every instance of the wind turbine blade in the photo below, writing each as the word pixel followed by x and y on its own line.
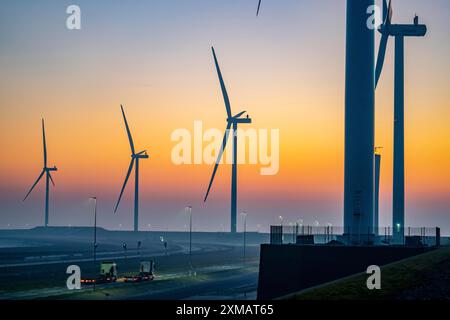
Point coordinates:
pixel 240 114
pixel 381 56
pixel 51 179
pixel 385 11
pixel 222 85
pixel 224 144
pixel 390 12
pixel 259 5
pixel 128 130
pixel 124 184
pixel 34 185
pixel 44 143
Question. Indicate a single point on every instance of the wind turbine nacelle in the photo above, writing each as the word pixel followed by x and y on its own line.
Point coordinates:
pixel 140 156
pixel 52 169
pixel 407 30
pixel 239 120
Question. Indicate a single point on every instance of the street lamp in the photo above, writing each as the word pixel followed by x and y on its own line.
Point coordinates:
pixel 139 244
pixel 95 226
pixel 244 215
pixel 189 212
pixel 95 232
pixel 125 249
pixel 281 227
pixel 164 244
pixel 300 224
pixel 329 231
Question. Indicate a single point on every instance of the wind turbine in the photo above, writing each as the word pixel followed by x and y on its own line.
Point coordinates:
pixel 232 121
pixel 399 31
pixel 135 157
pixel 259 6
pixel 48 177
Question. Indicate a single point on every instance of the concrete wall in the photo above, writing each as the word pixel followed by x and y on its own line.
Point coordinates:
pixel 286 269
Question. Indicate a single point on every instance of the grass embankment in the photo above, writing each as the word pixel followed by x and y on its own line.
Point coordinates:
pixel 426 276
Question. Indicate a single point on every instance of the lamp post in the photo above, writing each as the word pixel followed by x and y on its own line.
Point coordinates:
pixel 95 231
pixel 281 228
pixel 329 231
pixel 95 226
pixel 189 211
pixel 125 249
pixel 164 242
pixel 299 224
pixel 244 215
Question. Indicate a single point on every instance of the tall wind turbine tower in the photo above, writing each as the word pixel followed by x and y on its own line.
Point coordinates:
pixel 135 157
pixel 48 177
pixel 399 32
pixel 232 121
pixel 359 121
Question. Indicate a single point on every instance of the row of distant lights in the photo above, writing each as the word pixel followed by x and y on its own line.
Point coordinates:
pixel 300 222
pixel 258 226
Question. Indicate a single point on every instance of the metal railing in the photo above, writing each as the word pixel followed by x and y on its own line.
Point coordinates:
pixel 304 234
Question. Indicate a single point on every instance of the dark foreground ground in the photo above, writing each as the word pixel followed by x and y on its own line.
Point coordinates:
pixel 33 266
pixel 423 277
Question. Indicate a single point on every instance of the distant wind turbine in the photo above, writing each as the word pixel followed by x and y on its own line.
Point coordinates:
pixel 48 177
pixel 231 121
pixel 399 31
pixel 135 157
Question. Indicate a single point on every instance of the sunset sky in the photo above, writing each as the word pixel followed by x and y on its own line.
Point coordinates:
pixel 286 68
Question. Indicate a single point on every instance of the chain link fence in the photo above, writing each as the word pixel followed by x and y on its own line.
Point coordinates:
pixel 303 234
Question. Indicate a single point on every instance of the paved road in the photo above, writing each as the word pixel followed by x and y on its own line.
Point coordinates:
pixel 230 281
pixel 240 286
